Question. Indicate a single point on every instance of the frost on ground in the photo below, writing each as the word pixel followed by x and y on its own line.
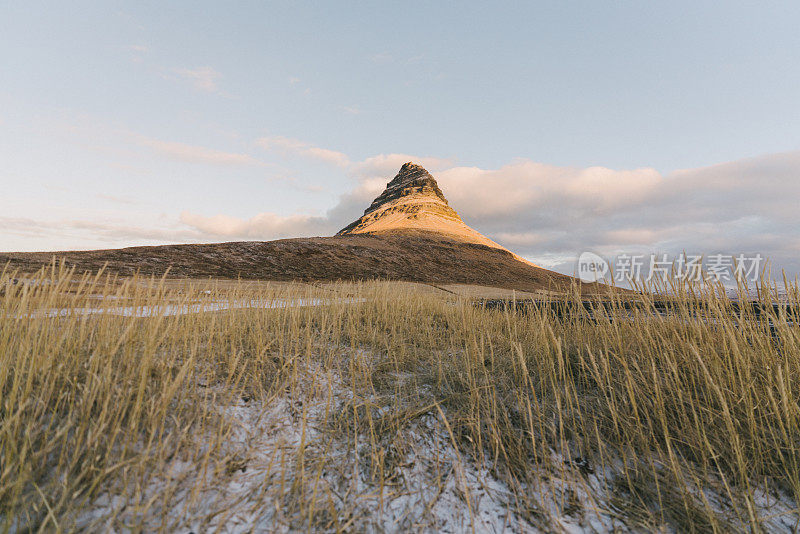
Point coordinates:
pixel 284 459
pixel 297 459
pixel 167 310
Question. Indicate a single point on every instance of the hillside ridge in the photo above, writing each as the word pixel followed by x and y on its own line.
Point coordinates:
pixel 408 233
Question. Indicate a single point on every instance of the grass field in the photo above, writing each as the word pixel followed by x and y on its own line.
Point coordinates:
pixel 157 406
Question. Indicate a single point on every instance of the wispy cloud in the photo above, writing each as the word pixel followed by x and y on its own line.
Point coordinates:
pixel 295 146
pixel 353 110
pixel 298 86
pixel 137 52
pixel 261 226
pixel 386 165
pixel 116 199
pixel 381 58
pixel 107 233
pixel 378 166
pixel 197 154
pixel 202 78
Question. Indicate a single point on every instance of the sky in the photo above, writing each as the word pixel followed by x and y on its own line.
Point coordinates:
pixel 552 127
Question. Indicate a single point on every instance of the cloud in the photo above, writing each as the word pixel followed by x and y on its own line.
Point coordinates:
pixel 202 78
pixel 197 154
pixel 137 52
pixel 128 232
pixel 527 185
pixel 116 199
pixel 385 166
pixel 262 226
pixel 295 146
pixel 744 206
pixel 381 58
pixel 375 167
pixel 352 110
pixel 109 233
pixel 330 156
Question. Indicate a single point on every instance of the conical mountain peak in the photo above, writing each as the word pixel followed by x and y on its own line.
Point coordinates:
pixel 412 201
pixel 412 181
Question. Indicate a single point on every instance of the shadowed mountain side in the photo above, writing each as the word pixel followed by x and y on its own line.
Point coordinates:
pixel 413 255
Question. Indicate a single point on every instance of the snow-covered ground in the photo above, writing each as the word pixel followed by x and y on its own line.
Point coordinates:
pixel 285 455
pixel 435 488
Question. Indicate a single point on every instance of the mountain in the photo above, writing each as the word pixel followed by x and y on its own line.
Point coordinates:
pixel 408 233
pixel 411 202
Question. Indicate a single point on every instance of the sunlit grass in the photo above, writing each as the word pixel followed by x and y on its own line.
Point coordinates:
pixel 687 421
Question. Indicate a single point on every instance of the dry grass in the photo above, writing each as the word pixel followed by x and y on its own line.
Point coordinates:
pixel 391 409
